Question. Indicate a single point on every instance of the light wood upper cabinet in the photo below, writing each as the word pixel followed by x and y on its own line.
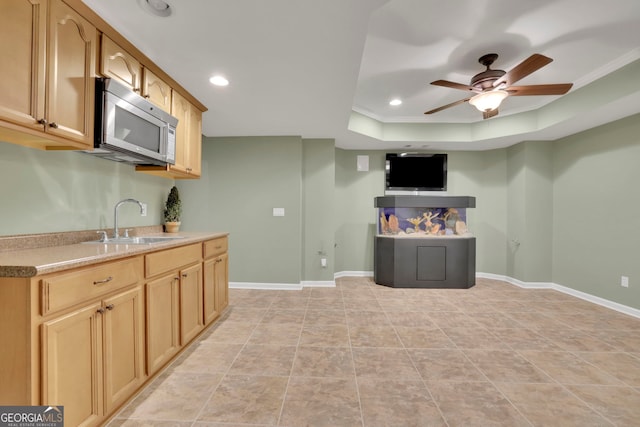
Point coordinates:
pixel 23 26
pixel 188 142
pixel 156 90
pixel 47 86
pixel 188 137
pixel 116 63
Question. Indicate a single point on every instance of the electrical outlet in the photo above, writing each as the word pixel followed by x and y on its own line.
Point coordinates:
pixel 323 262
pixel 144 210
pixel 624 281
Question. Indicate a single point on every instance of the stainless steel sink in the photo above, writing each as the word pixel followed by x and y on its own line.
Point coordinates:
pixel 136 240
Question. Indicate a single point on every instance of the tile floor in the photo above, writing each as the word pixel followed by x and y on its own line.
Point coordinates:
pixel 361 354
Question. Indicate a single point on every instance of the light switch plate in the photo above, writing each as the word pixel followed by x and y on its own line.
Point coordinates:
pixel 278 211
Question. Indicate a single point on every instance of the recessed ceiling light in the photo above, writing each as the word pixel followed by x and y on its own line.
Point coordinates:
pixel 395 102
pixel 219 81
pixel 156 7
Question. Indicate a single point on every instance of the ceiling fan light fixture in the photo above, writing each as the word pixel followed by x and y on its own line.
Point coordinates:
pixel 488 101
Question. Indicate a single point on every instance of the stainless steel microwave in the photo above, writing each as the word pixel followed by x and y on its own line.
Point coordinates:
pixel 130 129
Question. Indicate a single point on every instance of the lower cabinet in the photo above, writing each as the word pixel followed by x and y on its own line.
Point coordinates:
pixel 216 278
pixel 174 302
pixel 163 340
pixel 92 357
pixel 88 338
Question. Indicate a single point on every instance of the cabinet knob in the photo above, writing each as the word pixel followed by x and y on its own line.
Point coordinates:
pixel 53 125
pixel 184 274
pixel 147 96
pixel 109 307
pixel 42 122
pixel 136 89
pixel 100 310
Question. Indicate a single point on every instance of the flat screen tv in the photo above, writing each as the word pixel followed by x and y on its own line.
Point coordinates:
pixel 415 172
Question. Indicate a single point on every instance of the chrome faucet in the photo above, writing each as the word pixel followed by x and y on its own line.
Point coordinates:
pixel 143 212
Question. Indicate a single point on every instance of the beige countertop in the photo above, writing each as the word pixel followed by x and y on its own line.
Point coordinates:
pixel 36 261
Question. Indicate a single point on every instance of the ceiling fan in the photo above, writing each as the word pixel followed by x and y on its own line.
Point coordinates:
pixel 491 87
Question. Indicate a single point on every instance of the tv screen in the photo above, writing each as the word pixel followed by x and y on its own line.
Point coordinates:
pixel 416 172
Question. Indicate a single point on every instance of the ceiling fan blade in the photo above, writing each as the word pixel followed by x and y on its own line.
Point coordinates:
pixel 489 114
pixel 552 89
pixel 454 85
pixel 523 69
pixel 444 107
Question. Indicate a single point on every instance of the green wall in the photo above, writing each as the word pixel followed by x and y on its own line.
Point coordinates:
pixel 572 204
pixel 596 205
pixel 243 179
pixel 47 191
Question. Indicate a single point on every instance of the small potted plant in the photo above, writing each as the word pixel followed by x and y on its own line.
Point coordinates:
pixel 172 211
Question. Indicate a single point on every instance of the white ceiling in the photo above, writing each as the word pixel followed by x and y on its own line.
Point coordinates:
pixel 328 69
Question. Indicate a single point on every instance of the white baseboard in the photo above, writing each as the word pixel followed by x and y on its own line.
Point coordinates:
pixel 266 286
pixel 527 285
pixel 569 291
pixel 318 284
pixel 353 274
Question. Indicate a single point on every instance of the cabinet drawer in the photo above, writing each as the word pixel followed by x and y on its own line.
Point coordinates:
pixel 171 259
pixel 215 247
pixel 64 290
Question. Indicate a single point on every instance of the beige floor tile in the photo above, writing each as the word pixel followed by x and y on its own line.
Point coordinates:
pixel 264 360
pixel 367 317
pixel 492 320
pixel 231 332
pixel 474 338
pixel 411 319
pixel 524 339
pixel 207 357
pixel 383 363
pixel 393 402
pixel 292 358
pixel 453 319
pixel 246 399
pixel 621 405
pixel 323 362
pixel 506 366
pixel 178 396
pixel 575 340
pixel 297 302
pixel 148 423
pixel 283 316
pixel 374 336
pixel 325 317
pixel 276 334
pixel 444 365
pixel 567 368
pixel 321 402
pixel 419 337
pixel 624 366
pixel 325 336
pixel 551 405
pixel 475 404
pixel 619 340
pixel 332 303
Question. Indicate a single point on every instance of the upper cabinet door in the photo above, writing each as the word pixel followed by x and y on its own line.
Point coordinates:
pixel 156 90
pixel 119 65
pixel 23 26
pixel 70 74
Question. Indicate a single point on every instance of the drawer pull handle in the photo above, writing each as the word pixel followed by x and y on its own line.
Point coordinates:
pixel 218 247
pixel 184 274
pixel 107 280
pixel 109 307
